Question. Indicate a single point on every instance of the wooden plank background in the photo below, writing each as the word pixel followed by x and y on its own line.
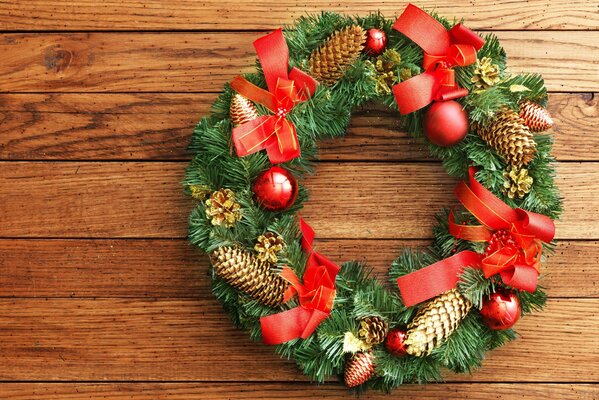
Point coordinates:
pixel 101 296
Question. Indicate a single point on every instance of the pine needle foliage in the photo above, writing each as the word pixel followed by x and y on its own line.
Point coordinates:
pixel 326 114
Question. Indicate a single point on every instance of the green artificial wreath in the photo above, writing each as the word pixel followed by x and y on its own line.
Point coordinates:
pixel 362 338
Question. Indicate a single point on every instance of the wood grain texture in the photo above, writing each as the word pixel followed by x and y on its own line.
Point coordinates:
pixel 76 126
pixel 135 199
pixel 291 391
pixel 203 62
pixel 157 268
pixel 178 340
pixel 244 14
pixel 100 294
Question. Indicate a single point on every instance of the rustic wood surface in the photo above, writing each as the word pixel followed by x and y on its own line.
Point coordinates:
pixel 100 294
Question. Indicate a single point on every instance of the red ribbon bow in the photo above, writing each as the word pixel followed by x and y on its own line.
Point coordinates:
pixel 515 234
pixel 442 50
pixel 275 132
pixel 515 253
pixel 316 297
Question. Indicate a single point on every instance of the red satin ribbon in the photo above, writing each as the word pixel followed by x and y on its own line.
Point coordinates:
pixel 442 50
pixel 435 279
pixel 518 265
pixel 275 133
pixel 316 296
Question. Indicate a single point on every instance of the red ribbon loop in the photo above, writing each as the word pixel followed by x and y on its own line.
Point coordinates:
pixel 275 132
pixel 514 250
pixel 442 50
pixel 316 296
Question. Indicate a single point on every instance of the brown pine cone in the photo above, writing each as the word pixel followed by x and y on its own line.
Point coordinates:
pixel 535 116
pixel 359 369
pixel 329 62
pixel 510 137
pixel 435 321
pixel 241 110
pixel 373 330
pixel 249 275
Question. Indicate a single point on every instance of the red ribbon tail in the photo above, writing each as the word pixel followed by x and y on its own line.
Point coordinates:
pixel 416 92
pixel 283 145
pixel 273 54
pixel 285 326
pixel 316 318
pixel 424 30
pixel 307 235
pixel 435 279
pixel 252 136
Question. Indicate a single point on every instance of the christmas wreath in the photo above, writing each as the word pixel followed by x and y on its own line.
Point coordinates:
pixel 442 308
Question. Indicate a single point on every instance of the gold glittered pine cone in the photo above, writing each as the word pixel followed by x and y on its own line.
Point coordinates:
pixel 517 182
pixel 486 74
pixel 435 321
pixel 221 208
pixel 508 134
pixel 358 369
pixel 386 71
pixel 535 116
pixel 241 110
pixel 199 192
pixel 373 330
pixel 268 246
pixel 329 62
pixel 243 271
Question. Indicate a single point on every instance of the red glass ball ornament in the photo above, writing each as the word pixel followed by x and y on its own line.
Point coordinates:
pixel 446 123
pixel 275 189
pixel 376 40
pixel 395 342
pixel 501 310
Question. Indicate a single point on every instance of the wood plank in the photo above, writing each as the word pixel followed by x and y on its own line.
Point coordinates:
pixel 102 340
pixel 99 126
pixel 158 126
pixel 111 200
pixel 290 390
pixel 172 268
pixel 203 62
pixel 243 14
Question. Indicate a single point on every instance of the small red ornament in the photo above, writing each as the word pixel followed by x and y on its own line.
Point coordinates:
pixel 376 40
pixel 501 310
pixel 395 342
pixel 446 123
pixel 275 189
